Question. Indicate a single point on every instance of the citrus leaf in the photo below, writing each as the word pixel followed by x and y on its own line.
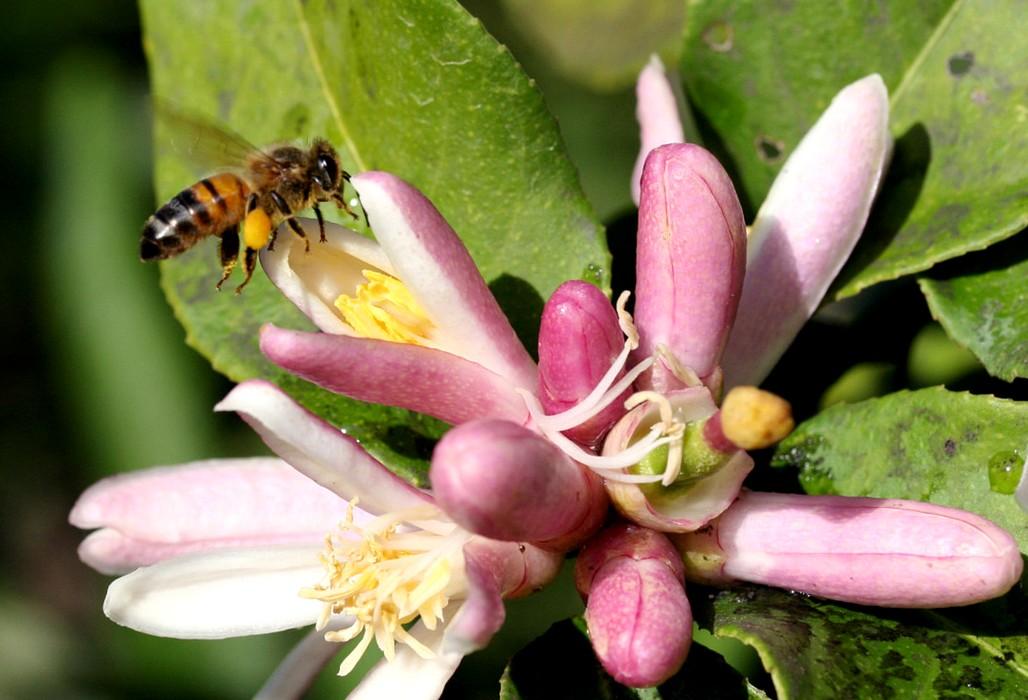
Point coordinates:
pixel 816 649
pixel 958 183
pixel 950 448
pixel 602 44
pixel 561 664
pixel 759 74
pixel 416 87
pixel 984 306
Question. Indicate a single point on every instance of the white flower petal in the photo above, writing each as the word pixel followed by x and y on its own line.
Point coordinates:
pixel 227 593
pixel 409 676
pixel 314 279
pixel 297 672
pixel 319 450
pixel 807 227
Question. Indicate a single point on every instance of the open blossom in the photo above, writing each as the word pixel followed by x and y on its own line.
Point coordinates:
pixel 230 548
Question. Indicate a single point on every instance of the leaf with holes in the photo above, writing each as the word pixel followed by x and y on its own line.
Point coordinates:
pixel 816 649
pixel 984 306
pixel 934 445
pixel 416 87
pixel 759 74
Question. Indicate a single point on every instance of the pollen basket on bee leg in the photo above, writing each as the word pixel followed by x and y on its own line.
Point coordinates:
pixel 256 229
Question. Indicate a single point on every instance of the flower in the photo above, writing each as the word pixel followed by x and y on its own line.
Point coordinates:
pixel 870 551
pixel 230 548
pixel 407 319
pixel 639 619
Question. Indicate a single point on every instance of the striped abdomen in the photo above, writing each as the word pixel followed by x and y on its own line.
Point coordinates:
pixel 208 208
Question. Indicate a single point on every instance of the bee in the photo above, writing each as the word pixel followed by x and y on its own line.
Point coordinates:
pixel 259 190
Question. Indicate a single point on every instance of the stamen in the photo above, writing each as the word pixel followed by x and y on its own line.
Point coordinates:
pixel 384 309
pixel 385 575
pixel 684 374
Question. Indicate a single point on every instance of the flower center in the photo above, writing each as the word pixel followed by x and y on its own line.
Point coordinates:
pixel 382 308
pixel 385 575
pixel 667 431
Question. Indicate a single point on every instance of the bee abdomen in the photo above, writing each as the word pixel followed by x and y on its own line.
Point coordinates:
pixel 208 208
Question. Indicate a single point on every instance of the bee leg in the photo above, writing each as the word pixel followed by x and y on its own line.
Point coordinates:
pixel 340 202
pixel 283 206
pixel 298 230
pixel 228 251
pixel 249 263
pixel 321 221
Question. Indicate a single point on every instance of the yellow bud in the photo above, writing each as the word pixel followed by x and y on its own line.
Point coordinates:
pixel 753 418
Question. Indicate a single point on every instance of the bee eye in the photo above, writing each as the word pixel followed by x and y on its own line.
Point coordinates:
pixel 328 171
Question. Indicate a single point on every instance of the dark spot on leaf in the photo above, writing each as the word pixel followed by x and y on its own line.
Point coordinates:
pixel 719 36
pixel 950 447
pixel 960 63
pixel 769 150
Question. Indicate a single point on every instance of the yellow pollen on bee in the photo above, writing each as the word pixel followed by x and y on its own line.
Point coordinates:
pixel 384 309
pixel 384 578
pixel 256 229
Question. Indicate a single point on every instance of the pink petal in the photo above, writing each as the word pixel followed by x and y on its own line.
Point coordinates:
pixel 482 613
pixel 691 255
pixel 395 374
pixel 216 499
pixel 807 227
pixel 503 481
pixel 434 264
pixel 639 618
pixel 657 113
pixel 579 338
pixel 319 450
pixel 869 551
pixel 219 594
pixel 110 552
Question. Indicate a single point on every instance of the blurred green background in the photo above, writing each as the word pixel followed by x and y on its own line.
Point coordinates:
pixel 98 379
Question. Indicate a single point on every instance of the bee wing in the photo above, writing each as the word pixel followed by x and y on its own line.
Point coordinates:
pixel 204 143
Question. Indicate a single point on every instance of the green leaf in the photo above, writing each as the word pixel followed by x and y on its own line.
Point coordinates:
pixel 929 445
pixel 561 664
pixel 415 87
pixel 959 117
pixel 984 306
pixel 817 649
pixel 604 43
pixel 760 73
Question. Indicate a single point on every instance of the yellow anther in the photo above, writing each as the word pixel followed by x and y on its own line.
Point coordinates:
pixel 384 309
pixel 753 418
pixel 384 578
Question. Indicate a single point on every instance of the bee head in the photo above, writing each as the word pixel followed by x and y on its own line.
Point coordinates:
pixel 326 171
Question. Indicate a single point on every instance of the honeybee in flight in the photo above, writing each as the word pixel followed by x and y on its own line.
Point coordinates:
pixel 260 189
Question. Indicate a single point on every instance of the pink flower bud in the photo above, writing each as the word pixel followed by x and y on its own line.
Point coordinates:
pixel 503 481
pixel 639 618
pixel 883 552
pixel 579 338
pixel 690 262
